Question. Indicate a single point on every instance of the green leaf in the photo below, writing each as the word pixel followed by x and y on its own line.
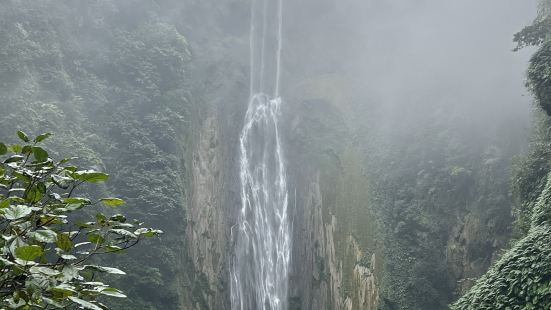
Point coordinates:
pixel 76 200
pixel 52 302
pixel 68 273
pixel 42 137
pixel 63 290
pixel 64 242
pixel 119 218
pixel 21 176
pixel 16 148
pixel 66 160
pixel 112 202
pixel 61 181
pixel 74 206
pixel 123 225
pixel 91 176
pixel 34 194
pixel 95 283
pixel 109 270
pixel 29 252
pixel 113 292
pixel 27 149
pixel 3 148
pixel 17 199
pixel 148 232
pixel 85 225
pixel 55 196
pixel 41 187
pixel 50 219
pixel 16 212
pixel 123 232
pixel 68 257
pixel 85 304
pixel 23 136
pixel 14 158
pixel 113 248
pixel 40 154
pixel 44 270
pixel 70 168
pixel 101 219
pixel 4 203
pixel 45 235
pixel 95 238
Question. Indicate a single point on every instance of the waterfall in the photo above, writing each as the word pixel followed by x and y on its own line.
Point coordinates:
pixel 261 237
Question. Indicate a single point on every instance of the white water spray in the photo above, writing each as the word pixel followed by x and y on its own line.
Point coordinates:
pixel 260 265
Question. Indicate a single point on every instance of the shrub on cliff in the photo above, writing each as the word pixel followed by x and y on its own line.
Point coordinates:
pixel 521 279
pixel 539 71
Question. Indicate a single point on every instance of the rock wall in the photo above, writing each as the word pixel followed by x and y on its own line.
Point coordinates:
pixel 334 250
pixel 207 227
pixel 321 277
pixel 213 201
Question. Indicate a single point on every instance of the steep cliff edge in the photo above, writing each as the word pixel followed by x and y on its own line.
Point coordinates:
pixel 334 264
pixel 520 279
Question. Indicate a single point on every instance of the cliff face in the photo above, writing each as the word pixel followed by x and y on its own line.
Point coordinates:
pixel 334 259
pixel 474 243
pixel 206 231
pixel 334 264
pixel 212 198
pixel 321 276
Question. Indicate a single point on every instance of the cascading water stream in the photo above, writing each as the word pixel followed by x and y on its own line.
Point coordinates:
pixel 261 237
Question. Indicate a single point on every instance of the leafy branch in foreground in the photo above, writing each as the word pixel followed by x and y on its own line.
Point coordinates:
pixel 45 248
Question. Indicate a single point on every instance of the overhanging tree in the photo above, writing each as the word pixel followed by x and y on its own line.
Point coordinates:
pixel 48 236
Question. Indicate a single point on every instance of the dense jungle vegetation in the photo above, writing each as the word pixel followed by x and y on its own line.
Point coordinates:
pixel 110 79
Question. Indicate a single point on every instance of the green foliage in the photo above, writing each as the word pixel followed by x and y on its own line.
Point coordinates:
pixel 46 241
pixel 539 71
pixel 539 76
pixel 530 174
pixel 442 203
pixel 531 170
pixel 521 277
pixel 111 79
pixel 519 280
pixel 536 33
